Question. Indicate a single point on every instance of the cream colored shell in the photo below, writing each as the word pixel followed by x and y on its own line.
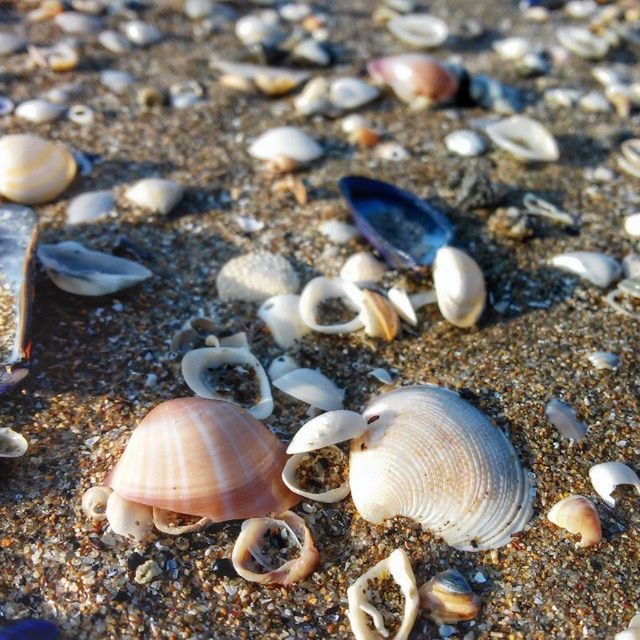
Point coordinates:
pixel 578 515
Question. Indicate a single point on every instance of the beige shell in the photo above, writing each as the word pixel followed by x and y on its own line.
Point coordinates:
pixel 34 170
pixel 379 316
pixel 59 58
pixel 155 194
pixel 578 515
pixel 127 518
pixel 94 502
pixel 12 443
pixel 448 598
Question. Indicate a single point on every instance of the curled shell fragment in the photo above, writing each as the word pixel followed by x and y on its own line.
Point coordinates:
pixel 606 476
pixel 94 502
pixel 281 365
pixel 327 429
pixel 563 418
pixel 379 316
pixel 629 160
pixel 322 289
pixel 312 387
pixel 282 316
pixel 12 443
pixel 163 520
pixel 401 302
pixel 90 206
pixel 598 268
pixel 525 139
pixel 448 598
pixel 578 515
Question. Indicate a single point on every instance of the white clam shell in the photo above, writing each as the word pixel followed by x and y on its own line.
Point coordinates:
pixel 431 456
pixel 402 304
pixel 312 51
pixel 39 111
pixel 11 43
pixel 605 477
pixel 563 418
pixel 114 41
pixel 422 31
pixel 197 362
pixel 130 519
pixel 353 122
pixel 155 194
pixel 599 269
pixel 282 365
pixel 254 29
pixel 362 268
pixel 512 48
pixel 583 42
pixel 77 23
pixel 94 502
pixel 287 142
pixel 459 285
pixel 351 93
pixel 327 429
pixel 465 143
pixel 91 206
pixel 338 232
pixel 312 387
pixel 631 265
pixel 78 270
pixel 604 360
pixel 321 289
pixel 12 443
pixel 314 98
pixel 525 139
pixel 117 81
pixel 632 632
pixel 281 315
pixel 141 33
pixel 632 225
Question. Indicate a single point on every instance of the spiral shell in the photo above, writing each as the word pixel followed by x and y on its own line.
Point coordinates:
pixel 578 514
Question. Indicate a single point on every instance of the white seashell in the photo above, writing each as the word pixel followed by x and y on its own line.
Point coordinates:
pixel 392 151
pixel 512 48
pixel 78 270
pixel 632 632
pixel 39 111
pixel 312 387
pixel 598 268
pixel 311 51
pixel 162 521
pixel 330 453
pixel 34 170
pixel 459 285
pixel 114 41
pixel 281 366
pixel 578 515
pixel 525 139
pixel 314 98
pixel 580 9
pixel 81 114
pixel 562 97
pixel 130 519
pixel 77 23
pixel 351 93
pixel 448 598
pixel 606 75
pixel 379 316
pixel 295 12
pixel 594 102
pixel 583 42
pixel 321 289
pixel 419 30
pixel 423 298
pixel 281 315
pixel 94 502
pixel 362 268
pixel 6 106
pixel 398 567
pixel 632 224
pixel 465 143
pixel 381 375
pixel 142 34
pixel 629 161
pixel 604 360
pixel 353 122
pixel 117 81
pixel 198 9
pixel 563 418
pixel 155 194
pixel 197 362
pixel 338 232
pixel 12 444
pixel 286 142
pixel 249 224
pixel 88 207
pixel 605 477
pixel 631 265
pixel 254 29
pixel 327 429
pixel 11 43
pixel 61 57
pixel 254 277
pixel 402 304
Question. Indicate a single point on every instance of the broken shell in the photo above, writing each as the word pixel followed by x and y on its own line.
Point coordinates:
pixel 562 97
pixel 281 315
pixel 583 42
pixel 12 443
pixel 419 30
pixel 321 289
pixel 328 429
pixel 525 139
pixel 254 277
pixel 629 161
pixel 632 225
pixel 513 48
pixel 578 515
pixel 604 360
pixel 34 170
pixel 155 194
pixel 360 131
pixel 632 632
pixel 379 316
pixel 114 41
pixel 196 333
pixel 402 304
pixel 6 106
pixel 312 387
pixel 255 30
pixel 381 375
pixel 286 142
pixel 594 102
pixel 398 567
pixel 563 418
pixel 281 366
pixel 465 143
pixel 329 454
pixel 59 58
pixel 460 287
pixel 127 518
pixel 605 477
pixel 94 502
pixel 79 270
pixel 197 362
pixel 141 33
pixel 163 521
pixel 88 207
pixel 314 98
pixel 351 93
pixel 598 268
pixel 39 111
pixel 449 598
pixel 248 550
pixel 362 268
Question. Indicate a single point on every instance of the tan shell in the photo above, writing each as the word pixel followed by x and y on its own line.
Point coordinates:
pixel 449 598
pixel 94 502
pixel 578 515
pixel 379 317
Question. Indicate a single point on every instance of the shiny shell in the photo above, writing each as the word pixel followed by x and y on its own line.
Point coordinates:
pixel 448 598
pixel 465 143
pixel 141 33
pixel 512 48
pixel 328 429
pixel 422 31
pixel 578 515
pixel 39 111
pixel 351 93
pixel 583 42
pixel 155 194
pixel 402 304
pixel 379 316
pixel 312 387
pixel 77 23
pixel 362 268
pixel 599 269
pixel 114 41
pixel 605 477
pixel 12 443
pixel 286 142
pixel 604 360
pixel 282 316
pixel 563 418
pixel 94 502
pixel 91 206
pixel 253 30
pixel 525 139
pixel 34 170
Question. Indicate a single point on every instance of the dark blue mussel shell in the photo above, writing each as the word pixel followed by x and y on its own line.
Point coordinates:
pixel 406 230
pixel 30 630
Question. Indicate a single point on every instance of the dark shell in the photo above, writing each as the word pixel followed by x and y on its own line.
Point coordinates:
pixel 18 237
pixel 406 230
pixel 30 630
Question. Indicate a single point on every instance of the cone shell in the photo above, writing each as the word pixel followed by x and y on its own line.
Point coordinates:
pixel 578 515
pixel 206 458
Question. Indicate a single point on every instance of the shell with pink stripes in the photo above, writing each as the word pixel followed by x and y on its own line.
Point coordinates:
pixel 203 458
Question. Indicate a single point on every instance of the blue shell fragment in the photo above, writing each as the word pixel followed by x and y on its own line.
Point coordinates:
pixel 406 230
pixel 30 630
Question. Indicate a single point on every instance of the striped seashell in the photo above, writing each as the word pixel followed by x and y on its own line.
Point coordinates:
pixel 34 170
pixel 206 458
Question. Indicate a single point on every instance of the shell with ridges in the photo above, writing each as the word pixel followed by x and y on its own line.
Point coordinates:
pixel 578 515
pixel 449 598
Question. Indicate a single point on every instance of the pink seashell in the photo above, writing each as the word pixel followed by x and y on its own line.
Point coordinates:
pixel 578 515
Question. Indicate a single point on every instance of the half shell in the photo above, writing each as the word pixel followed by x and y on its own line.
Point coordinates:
pixel 578 515
pixel 312 387
pixel 422 31
pixel 13 444
pixel 286 142
pixel 605 477
pixel 525 139
pixel 156 194
pixel 321 289
pixel 563 418
pixel 282 316
pixel 598 268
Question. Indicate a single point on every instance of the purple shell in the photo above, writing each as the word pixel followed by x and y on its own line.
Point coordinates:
pixel 30 630
pixel 406 230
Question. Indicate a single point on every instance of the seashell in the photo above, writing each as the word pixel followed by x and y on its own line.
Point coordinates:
pixel 402 304
pixel 203 458
pixel 312 52
pixel 604 360
pixel 18 239
pixel 198 9
pixel 314 98
pixel 39 111
pixel 459 285
pixel 599 269
pixel 594 102
pixel 404 229
pixel 632 224
pixel 321 289
pixel 281 315
pixel 117 81
pixel 494 95
pixel 34 170
pixel 607 75
pixel 94 503
pixel 525 139
pixel 423 298
pixel 254 30
pixel 338 232
pixel 140 33
pixel 563 418
pixel 419 30
pixel 351 93
pixel 163 521
pixel 583 42
pixel 13 444
pixel 294 12
pixel 78 270
pixel 513 48
pixel 198 363
pixel 282 365
pixel 629 161
pixel 185 94
pixel 330 456
pixel 562 97
pixel 448 598
pixel 328 429
pixel 631 265
pixel 286 142
pixel 362 268
pixel 81 114
pixel 379 317
pixel 578 515
pixel 622 98
pixel 6 106
pixel 252 549
pixel 465 142
pixel 392 151
pixel 76 23
pixel 48 9
pixel 539 207
pixel 396 566
pixel 130 519
pixel 91 206
pixel 311 387
pixel 580 9
pixel 151 97
pixel 633 630
pixel 606 476
pixel 381 375
pixel 59 58
pixel 254 277
pixel 11 43
pixel 114 41
pixel 415 76
pixel 155 194
pixel 360 131
pixel 195 333
pixel 249 224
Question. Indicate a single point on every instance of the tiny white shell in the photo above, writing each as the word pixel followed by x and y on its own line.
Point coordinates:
pixel 94 502
pixel 6 106
pixel 311 51
pixel 631 265
pixel 114 41
pixel 312 387
pixel 155 194
pixel 337 231
pixel 281 315
pixel 321 289
pixel 351 93
pixel 141 33
pixel 563 418
pixel 465 143
pixel 632 225
pixel 525 139
pixel 77 23
pixel 287 142
pixel 362 268
pixel 598 268
pixel 604 360
pixel 580 9
pixel 90 206
pixel 419 30
pixel 281 366
pixel 562 97
pixel 327 429
pixel 583 42
pixel 402 304
pixel 117 81
pixel 512 48
pixel 130 519
pixel 12 443
pixel 81 114
pixel 605 477
pixel 353 122
pixel 39 111
pixel 254 29
pixel 594 102
pixel 381 375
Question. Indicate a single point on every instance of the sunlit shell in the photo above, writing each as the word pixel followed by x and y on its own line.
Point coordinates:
pixel 163 521
pixel 61 57
pixel 141 33
pixel 363 268
pixel 599 269
pixel 127 518
pixel 311 51
pixel 583 42
pixel 338 231
pixel 525 139
pixel 39 111
pixel 34 170
pixel 12 443
pixel 466 143
pixel 312 387
pixel 248 556
pixel 578 515
pixel 156 194
pixel 328 429
pixel 605 477
pixel 351 93
pixel 286 142
pixel 254 277
pixel 604 360
pixel 94 502
pixel 273 81
pixel 91 206
pixel 322 289
pixel 379 316
pixel 448 598
pixel 563 418
pixel 314 98
pixel 419 30
pixel 631 265
pixel 282 316
pixel 81 114
pixel 512 48
pixel 114 41
pixel 253 29
pixel 402 304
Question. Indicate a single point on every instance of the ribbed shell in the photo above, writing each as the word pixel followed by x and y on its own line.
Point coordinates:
pixel 434 458
pixel 204 458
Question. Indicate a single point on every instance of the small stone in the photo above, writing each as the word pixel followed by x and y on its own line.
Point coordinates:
pixel 224 568
pixel 147 572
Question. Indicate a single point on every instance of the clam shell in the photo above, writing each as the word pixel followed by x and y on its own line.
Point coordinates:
pixel 431 456
pixel 328 429
pixel 91 206
pixel 525 139
pixel 252 30
pixel 282 317
pixel 282 365
pixel 583 42
pixel 630 159
pixel 312 387
pixel 206 458
pixel 599 269
pixel 362 268
pixel 604 360
pixel 448 598
pixel 605 477
pixel 114 41
pixel 39 111
pixel 130 519
pixel 155 194
pixel 94 502
pixel 351 93
pixel 34 170
pixel 321 289
pixel 287 142
pixel 465 143
pixel 83 272
pixel 419 30
pixel 12 443
pixel 578 515
pixel 402 304
pixel 563 418
pixel 141 33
